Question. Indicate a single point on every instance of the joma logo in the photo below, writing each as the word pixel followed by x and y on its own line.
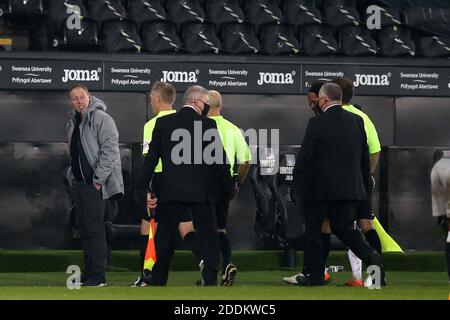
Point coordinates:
pixel 372 80
pixel 80 75
pixel 276 78
pixel 179 76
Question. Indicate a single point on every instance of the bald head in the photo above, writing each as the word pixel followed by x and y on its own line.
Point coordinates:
pixel 215 99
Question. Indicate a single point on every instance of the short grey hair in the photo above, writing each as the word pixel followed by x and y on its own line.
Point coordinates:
pixel 332 91
pixel 194 92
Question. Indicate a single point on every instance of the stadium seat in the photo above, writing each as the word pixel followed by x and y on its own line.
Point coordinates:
pixel 224 11
pixel 301 12
pixel 260 12
pixel 185 11
pixel 200 38
pixel 26 8
pixel 417 17
pixel 318 40
pixel 356 41
pixel 29 24
pixel 277 39
pixel 5 34
pixel 121 36
pixel 25 15
pixel 160 37
pixel 434 46
pixel 280 218
pixel 239 38
pixel 289 215
pixel 105 10
pixel 340 13
pixel 264 226
pixel 84 39
pixel 60 11
pixel 142 11
pixel 388 17
pixel 396 42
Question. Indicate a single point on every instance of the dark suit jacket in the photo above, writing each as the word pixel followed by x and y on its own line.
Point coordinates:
pixel 333 162
pixel 194 181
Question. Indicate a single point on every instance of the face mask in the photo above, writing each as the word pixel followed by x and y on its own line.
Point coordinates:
pixel 316 109
pixel 205 110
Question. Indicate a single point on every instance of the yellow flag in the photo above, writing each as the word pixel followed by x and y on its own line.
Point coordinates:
pixel 387 243
pixel 150 254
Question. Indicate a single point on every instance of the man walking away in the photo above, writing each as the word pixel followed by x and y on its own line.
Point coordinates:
pixel 238 153
pixel 332 174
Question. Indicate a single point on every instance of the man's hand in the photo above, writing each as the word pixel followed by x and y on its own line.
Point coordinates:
pixel 291 196
pixel 236 190
pixel 151 202
pixel 97 186
pixel 372 183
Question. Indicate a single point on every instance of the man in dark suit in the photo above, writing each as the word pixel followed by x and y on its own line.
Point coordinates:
pixel 191 180
pixel 331 174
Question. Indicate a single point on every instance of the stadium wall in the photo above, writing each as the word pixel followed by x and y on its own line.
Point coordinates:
pixel 33 156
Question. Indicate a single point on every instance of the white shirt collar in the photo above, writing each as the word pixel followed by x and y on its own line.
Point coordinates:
pixel 336 104
pixel 189 106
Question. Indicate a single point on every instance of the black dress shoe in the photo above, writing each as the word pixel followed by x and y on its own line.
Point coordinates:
pixel 306 281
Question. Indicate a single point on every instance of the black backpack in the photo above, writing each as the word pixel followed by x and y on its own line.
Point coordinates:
pixel 279 39
pixel 388 17
pixel 26 7
pixel 142 11
pixel 434 46
pixel 239 38
pixel 85 39
pixel 106 10
pixel 200 38
pixel 121 36
pixel 260 12
pixel 356 41
pixel 61 11
pixel 301 12
pixel 341 13
pixel 185 11
pixel 396 42
pixel 160 36
pixel 318 40
pixel 224 11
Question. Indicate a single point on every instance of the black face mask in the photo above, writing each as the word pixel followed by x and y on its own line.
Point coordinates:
pixel 205 110
pixel 317 110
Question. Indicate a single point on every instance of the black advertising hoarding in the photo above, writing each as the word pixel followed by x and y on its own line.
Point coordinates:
pixel 51 74
pixel 368 80
pixel 423 82
pixel 128 76
pixel 239 78
pixel 384 80
pixel 254 78
pixel 3 76
pixel 226 78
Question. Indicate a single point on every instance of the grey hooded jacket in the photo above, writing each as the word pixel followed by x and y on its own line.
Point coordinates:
pixel 100 140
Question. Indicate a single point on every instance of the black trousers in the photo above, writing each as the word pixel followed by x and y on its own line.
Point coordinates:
pixel 89 219
pixel 342 215
pixel 204 219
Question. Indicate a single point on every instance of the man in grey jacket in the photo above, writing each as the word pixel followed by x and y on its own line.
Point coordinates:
pixel 95 175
